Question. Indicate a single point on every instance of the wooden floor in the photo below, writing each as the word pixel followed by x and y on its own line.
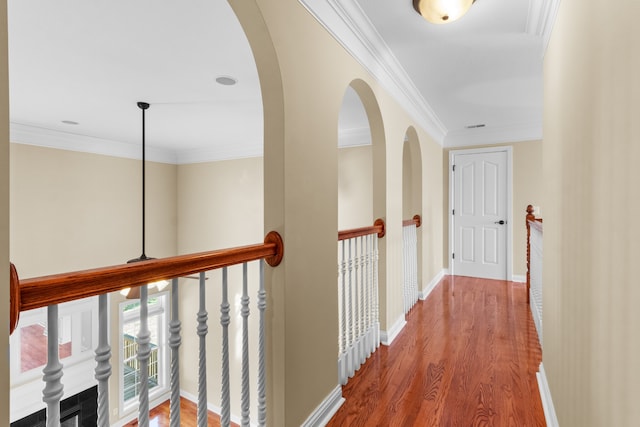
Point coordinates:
pixel 159 416
pixel 467 357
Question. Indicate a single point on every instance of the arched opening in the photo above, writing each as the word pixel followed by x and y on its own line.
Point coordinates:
pixel 411 206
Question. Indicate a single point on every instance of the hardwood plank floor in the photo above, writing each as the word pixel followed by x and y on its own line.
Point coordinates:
pixel 467 357
pixel 159 416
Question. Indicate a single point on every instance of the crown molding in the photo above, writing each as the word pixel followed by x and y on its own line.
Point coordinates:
pixel 42 137
pixel 354 137
pixel 531 131
pixel 542 16
pixel 347 23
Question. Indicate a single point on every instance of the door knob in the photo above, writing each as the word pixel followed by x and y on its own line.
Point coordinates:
pixel 501 222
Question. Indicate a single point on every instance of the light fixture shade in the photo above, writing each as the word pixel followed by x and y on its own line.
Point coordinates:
pixel 442 11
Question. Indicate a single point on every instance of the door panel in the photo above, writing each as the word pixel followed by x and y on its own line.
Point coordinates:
pixel 480 202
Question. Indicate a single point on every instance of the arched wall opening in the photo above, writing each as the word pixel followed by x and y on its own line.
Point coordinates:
pixel 412 188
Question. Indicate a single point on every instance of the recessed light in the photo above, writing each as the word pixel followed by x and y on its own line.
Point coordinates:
pixel 69 122
pixel 226 80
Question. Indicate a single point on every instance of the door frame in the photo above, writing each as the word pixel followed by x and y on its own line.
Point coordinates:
pixel 509 237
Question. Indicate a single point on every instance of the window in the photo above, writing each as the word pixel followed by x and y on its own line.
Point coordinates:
pixel 158 360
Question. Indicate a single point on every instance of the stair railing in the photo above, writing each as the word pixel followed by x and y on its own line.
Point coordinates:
pixel 534 267
pixel 358 304
pixel 49 291
pixel 411 293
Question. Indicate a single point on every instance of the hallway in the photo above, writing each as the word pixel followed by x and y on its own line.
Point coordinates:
pixel 467 356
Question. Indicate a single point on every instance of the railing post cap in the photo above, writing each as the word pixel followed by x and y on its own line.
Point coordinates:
pixel 275 238
pixel 380 223
pixel 14 298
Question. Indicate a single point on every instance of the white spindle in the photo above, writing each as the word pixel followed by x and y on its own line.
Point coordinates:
pixel 262 377
pixel 350 337
pixel 144 352
pixel 410 265
pixel 52 373
pixel 245 347
pixel 369 316
pixel 535 275
pixel 342 292
pixel 202 355
pixel 225 400
pixel 103 365
pixel 361 315
pixel 376 299
pixel 356 307
pixel 174 344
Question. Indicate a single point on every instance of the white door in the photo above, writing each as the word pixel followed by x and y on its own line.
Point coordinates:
pixel 480 214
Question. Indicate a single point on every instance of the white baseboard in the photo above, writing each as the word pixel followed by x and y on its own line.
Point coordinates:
pixel 323 413
pixel 545 395
pixel 213 408
pixel 432 284
pixel 519 278
pixel 387 337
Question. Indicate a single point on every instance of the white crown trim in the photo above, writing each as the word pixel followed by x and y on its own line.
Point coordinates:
pixel 41 137
pixel 542 16
pixel 348 24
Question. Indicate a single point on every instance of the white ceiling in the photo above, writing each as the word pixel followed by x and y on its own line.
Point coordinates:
pixel 89 62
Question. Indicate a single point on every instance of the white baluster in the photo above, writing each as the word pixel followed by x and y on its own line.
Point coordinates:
pixel 174 344
pixel 356 308
pixel 376 299
pixel 350 358
pixel 361 315
pixel 103 365
pixel 262 378
pixel 245 347
pixel 342 358
pixel 52 373
pixel 368 315
pixel 202 331
pixel 144 352
pixel 225 400
pixel 405 279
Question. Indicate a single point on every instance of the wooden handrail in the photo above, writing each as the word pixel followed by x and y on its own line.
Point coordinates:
pixel 55 289
pixel 530 219
pixel 377 227
pixel 417 220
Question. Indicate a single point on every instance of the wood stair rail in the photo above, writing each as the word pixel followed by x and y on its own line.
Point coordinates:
pixel 530 217
pixel 377 227
pixel 55 289
pixel 417 220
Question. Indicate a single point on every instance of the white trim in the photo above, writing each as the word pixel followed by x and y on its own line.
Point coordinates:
pixel 213 408
pixel 509 250
pixel 348 24
pixel 545 395
pixel 518 278
pixel 432 284
pixel 41 137
pixel 542 16
pixel 327 408
pixel 387 337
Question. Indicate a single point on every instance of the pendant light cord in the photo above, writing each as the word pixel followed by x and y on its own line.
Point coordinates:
pixel 143 106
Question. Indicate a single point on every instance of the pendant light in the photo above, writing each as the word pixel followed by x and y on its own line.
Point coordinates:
pixel 135 292
pixel 442 11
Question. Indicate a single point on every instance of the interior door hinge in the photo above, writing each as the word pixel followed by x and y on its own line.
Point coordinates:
pixel 453 212
pixel 453 256
pixel 454 168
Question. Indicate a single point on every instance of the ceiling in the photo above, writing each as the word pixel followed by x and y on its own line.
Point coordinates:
pixel 90 62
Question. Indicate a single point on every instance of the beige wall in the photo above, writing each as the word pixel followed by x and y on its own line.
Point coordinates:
pixel 527 190
pixel 220 205
pixel 591 149
pixel 4 219
pixel 355 187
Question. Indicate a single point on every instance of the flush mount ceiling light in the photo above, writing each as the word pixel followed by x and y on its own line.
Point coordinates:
pixel 442 11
